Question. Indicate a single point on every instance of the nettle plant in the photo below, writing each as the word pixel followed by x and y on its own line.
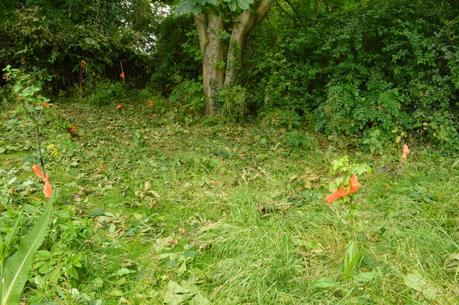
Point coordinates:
pixel 15 267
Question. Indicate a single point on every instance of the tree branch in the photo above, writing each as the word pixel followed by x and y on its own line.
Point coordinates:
pixel 262 10
pixel 201 25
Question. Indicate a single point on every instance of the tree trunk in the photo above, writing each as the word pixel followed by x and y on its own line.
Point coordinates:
pixel 210 25
pixel 243 24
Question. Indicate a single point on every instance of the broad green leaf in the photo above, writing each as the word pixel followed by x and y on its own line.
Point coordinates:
pixel 244 4
pixel 17 267
pixel 324 283
pixel 188 7
pixel 175 294
pixel 9 237
pixel 184 293
pixel 366 276
pixel 124 271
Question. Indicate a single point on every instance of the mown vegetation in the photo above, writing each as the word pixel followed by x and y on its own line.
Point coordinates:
pixel 195 171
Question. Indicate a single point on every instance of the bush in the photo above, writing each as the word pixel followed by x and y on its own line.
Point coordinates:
pixel 232 102
pixel 386 65
pixel 107 92
pixel 189 96
pixel 297 139
pixel 5 95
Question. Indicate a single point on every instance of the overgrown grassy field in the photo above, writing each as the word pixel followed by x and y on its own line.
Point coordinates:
pixel 158 209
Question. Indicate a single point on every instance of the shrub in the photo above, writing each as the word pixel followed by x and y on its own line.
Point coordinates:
pixel 379 65
pixel 189 96
pixel 106 93
pixel 232 102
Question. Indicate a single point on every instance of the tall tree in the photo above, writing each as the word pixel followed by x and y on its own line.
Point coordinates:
pixel 212 17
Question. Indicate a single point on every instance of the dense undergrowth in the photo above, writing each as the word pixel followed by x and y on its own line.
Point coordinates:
pixel 381 70
pixel 156 207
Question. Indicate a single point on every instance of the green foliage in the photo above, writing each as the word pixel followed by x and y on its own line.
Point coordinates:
pixel 107 92
pixel 198 6
pixel 379 65
pixel 188 95
pixel 344 169
pixel 280 118
pixel 297 139
pixel 177 54
pixel 6 95
pixel 14 272
pixel 374 141
pixel 57 35
pixel 61 261
pixel 345 166
pixel 232 102
pixel 26 87
pixel 352 260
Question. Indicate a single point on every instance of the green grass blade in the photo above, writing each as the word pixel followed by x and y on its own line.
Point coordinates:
pixel 352 260
pixel 17 267
pixel 10 236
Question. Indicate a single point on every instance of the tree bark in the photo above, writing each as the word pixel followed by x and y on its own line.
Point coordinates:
pixel 243 24
pixel 209 25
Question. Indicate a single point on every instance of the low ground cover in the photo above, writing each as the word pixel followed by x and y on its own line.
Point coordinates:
pixel 159 209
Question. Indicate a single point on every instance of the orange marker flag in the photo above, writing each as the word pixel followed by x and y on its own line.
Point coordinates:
pixel 37 171
pixel 47 187
pixel 354 183
pixel 342 192
pixel 337 195
pixel 406 151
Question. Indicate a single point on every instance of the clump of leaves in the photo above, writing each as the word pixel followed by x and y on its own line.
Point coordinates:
pixel 297 139
pixel 344 168
pixel 27 90
pixel 232 101
pixel 189 95
pixel 107 92
pixel 280 118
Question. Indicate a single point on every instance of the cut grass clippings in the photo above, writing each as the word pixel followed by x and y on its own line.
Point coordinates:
pixel 159 211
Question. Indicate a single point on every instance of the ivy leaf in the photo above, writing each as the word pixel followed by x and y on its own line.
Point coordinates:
pixel 232 4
